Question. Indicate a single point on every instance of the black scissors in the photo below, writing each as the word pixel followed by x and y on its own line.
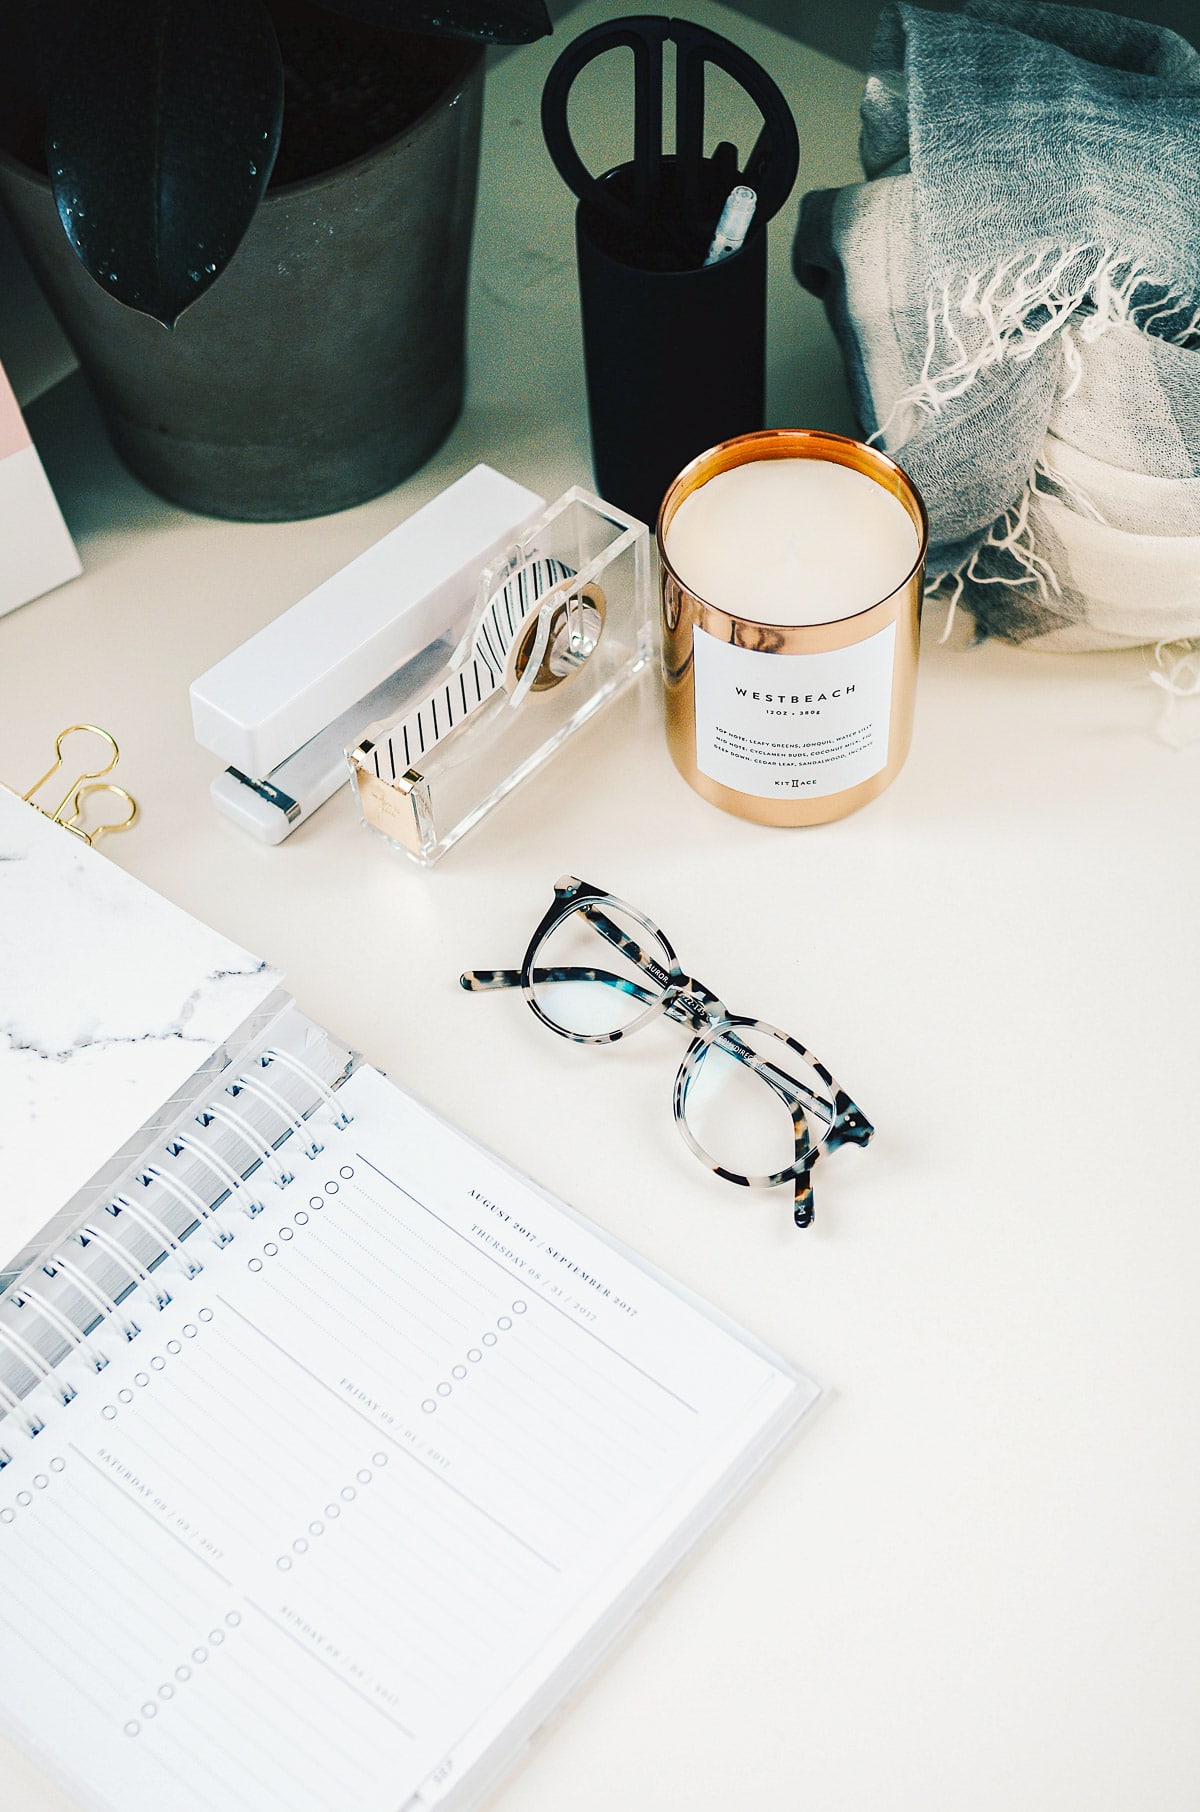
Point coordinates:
pixel 643 205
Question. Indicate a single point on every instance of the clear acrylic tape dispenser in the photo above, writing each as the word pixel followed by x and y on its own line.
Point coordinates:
pixel 561 626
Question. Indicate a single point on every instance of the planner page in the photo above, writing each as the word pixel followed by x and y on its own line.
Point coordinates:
pixel 314 1536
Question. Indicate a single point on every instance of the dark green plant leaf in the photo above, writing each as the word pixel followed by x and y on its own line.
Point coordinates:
pixel 161 134
pixel 493 21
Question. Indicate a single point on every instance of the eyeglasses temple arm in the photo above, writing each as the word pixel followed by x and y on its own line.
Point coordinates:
pixel 784 1085
pixel 849 1125
pixel 803 1211
pixel 478 981
pixel 627 945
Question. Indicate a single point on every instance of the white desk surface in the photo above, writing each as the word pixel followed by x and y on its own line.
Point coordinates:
pixel 974 1582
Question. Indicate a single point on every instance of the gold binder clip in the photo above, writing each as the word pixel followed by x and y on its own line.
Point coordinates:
pixel 69 811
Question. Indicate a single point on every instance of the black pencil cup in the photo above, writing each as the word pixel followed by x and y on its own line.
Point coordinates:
pixel 675 357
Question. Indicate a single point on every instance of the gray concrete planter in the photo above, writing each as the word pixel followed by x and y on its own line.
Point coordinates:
pixel 326 363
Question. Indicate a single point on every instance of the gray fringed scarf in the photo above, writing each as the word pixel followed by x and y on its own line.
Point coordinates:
pixel 1016 291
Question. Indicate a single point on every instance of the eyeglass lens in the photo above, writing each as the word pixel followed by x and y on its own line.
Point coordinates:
pixel 593 972
pixel 740 1100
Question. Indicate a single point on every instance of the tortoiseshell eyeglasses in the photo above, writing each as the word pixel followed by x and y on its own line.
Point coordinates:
pixel 755 1136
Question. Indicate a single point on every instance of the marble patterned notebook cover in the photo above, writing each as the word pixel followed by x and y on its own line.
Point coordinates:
pixel 36 552
pixel 110 998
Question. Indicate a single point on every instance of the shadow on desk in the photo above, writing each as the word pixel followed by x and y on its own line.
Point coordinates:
pixel 98 495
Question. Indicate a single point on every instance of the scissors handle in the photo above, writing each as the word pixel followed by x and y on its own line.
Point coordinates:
pixel 645 37
pixel 771 167
pixel 775 157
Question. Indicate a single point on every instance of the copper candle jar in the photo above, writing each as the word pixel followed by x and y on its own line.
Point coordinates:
pixel 791 723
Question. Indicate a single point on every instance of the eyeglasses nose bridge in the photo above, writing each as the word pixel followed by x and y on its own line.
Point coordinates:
pixel 701 1008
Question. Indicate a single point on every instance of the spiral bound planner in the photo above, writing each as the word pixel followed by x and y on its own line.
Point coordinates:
pixel 333 1451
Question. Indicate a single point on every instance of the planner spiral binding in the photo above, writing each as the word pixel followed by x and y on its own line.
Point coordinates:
pixel 317 1493
pixel 198 1179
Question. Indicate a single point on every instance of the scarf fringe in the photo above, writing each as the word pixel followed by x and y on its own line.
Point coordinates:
pixel 1176 672
pixel 1008 550
pixel 1078 293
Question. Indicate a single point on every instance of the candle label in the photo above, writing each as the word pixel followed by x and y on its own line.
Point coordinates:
pixel 784 726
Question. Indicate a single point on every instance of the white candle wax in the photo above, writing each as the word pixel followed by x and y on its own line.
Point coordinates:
pixel 792 541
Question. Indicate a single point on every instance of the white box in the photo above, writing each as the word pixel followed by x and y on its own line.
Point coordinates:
pixel 416 585
pixel 38 552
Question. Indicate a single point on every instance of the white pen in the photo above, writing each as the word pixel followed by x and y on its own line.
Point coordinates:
pixel 733 225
